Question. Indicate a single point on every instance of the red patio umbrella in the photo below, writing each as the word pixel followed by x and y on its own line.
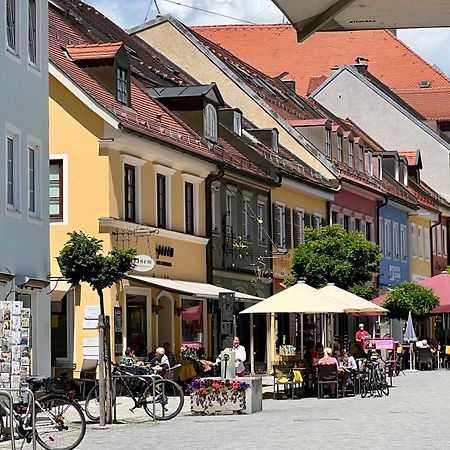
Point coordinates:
pixel 440 285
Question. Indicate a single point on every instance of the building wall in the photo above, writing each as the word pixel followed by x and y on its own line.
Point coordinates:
pixel 174 45
pixel 24 115
pixel 93 177
pixel 440 246
pixel 393 269
pixel 420 258
pixel 394 131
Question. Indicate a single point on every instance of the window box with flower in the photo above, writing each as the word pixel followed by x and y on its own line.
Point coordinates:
pixel 210 395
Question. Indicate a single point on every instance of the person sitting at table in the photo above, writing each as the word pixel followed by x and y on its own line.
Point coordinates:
pixel 328 359
pixel 358 351
pixel 168 349
pixel 336 349
pixel 309 352
pixel 347 364
pixel 160 362
pixel 129 359
pixel 319 350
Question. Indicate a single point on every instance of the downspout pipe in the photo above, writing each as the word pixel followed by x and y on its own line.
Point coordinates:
pixel 209 212
pixel 431 240
pixel 384 203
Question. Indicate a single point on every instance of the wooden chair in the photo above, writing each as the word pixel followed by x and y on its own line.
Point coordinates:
pixel 425 358
pixel 88 374
pixel 327 374
pixel 173 373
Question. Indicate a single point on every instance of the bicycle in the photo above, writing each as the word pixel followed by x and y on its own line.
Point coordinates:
pixel 168 400
pixel 58 420
pixel 374 380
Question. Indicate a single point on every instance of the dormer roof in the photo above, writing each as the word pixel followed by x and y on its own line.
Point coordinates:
pixel 412 157
pixel 209 91
pixel 93 51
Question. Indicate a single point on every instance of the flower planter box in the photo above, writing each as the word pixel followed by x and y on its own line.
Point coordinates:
pixel 218 402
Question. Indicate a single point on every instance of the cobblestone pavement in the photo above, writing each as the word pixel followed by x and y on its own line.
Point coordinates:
pixel 414 416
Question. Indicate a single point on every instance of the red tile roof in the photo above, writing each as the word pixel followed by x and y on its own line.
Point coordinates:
pixel 274 49
pixel 410 155
pixel 145 116
pixel 93 51
pixel 308 122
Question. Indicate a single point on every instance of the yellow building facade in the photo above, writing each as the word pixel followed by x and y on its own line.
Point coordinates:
pixel 420 250
pixel 89 156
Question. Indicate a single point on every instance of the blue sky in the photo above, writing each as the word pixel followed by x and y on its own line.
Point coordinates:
pixel 432 44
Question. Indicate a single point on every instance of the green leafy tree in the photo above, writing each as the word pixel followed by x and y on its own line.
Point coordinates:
pixel 410 296
pixel 332 255
pixel 364 291
pixel 82 260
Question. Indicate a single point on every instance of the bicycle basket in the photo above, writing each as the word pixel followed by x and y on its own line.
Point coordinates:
pixel 56 385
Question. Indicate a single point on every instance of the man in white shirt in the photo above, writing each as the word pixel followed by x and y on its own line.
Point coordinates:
pixel 160 361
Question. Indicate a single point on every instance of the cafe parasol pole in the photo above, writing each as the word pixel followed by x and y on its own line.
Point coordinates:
pixel 410 337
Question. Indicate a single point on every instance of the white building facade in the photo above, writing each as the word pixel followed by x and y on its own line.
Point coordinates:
pixel 24 224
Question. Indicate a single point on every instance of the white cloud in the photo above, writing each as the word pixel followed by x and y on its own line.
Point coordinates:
pixel 431 44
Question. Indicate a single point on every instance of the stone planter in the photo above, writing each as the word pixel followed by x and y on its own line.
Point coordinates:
pixel 218 402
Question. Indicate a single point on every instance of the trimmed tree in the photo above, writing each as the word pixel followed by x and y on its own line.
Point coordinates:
pixel 410 297
pixel 81 260
pixel 332 255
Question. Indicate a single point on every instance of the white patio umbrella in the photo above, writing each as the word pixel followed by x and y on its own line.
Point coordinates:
pixel 410 337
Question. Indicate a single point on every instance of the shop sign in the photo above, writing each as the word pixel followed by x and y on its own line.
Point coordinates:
pixel 144 263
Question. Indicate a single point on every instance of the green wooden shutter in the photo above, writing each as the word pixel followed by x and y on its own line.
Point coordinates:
pixel 276 224
pixel 296 228
pixel 287 223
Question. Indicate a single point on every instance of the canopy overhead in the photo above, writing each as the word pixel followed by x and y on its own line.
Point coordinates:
pixel 440 285
pixel 58 289
pixel 352 303
pixel 338 15
pixel 300 298
pixel 191 288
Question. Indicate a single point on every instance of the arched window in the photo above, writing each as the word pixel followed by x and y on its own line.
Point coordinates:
pixel 210 123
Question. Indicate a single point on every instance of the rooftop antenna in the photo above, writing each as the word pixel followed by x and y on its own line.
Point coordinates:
pixel 157 8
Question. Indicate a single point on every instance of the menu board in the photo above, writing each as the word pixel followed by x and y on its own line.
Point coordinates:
pixel 15 343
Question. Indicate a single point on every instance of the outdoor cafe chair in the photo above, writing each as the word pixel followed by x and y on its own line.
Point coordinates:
pixel 425 358
pixel 88 375
pixel 327 374
pixel 283 375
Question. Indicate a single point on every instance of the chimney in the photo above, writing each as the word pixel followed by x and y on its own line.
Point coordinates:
pixel 361 65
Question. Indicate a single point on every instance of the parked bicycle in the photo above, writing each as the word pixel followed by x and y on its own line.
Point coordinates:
pixel 58 420
pixel 373 380
pixel 147 389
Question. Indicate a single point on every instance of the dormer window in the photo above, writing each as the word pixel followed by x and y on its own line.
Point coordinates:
pixel 122 85
pixel 405 174
pixel 370 163
pixel 361 158
pixel 210 123
pixel 237 123
pixel 328 143
pixel 380 168
pixel 350 154
pixel 275 140
pixel 340 141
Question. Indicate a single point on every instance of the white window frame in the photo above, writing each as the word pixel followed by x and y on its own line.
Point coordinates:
pixel 137 163
pixel 262 214
pixel 14 134
pixel 414 240
pixel 395 241
pixel 195 181
pixel 328 151
pixel 280 239
pixel 34 64
pixel 387 239
pixel 405 174
pixel 122 91
pixel 426 232
pixel 397 170
pixel 247 221
pixel 300 213
pixel 316 221
pixel 369 224
pixel 433 237
pixel 70 304
pixel 35 145
pixel 210 125
pixel 237 123
pixel 167 172
pixel 370 163
pixel 420 252
pixel 381 233
pixel 340 150
pixel 350 153
pixel 274 140
pixel 230 207
pixel 444 241
pixel 361 167
pixel 380 167
pixel 14 52
pixel 65 186
pixel 439 240
pixel 403 243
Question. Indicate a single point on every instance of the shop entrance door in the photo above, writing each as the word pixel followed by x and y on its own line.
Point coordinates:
pixel 137 324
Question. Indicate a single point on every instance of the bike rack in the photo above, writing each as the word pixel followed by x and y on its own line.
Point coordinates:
pixel 118 377
pixel 7 392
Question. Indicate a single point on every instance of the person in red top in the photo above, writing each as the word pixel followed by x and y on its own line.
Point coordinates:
pixel 361 334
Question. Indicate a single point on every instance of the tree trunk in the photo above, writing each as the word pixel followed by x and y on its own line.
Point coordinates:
pixel 101 368
pixel 108 379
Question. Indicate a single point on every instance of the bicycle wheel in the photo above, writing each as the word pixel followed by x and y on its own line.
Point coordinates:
pixel 60 423
pixel 169 399
pixel 384 386
pixel 92 404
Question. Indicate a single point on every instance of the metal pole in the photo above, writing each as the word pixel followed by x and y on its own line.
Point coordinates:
pixel 154 400
pixel 101 368
pixel 252 346
pixel 301 335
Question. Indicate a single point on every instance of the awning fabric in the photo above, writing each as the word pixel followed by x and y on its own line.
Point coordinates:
pixel 352 303
pixel 191 288
pixel 58 289
pixel 192 313
pixel 336 15
pixel 300 298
